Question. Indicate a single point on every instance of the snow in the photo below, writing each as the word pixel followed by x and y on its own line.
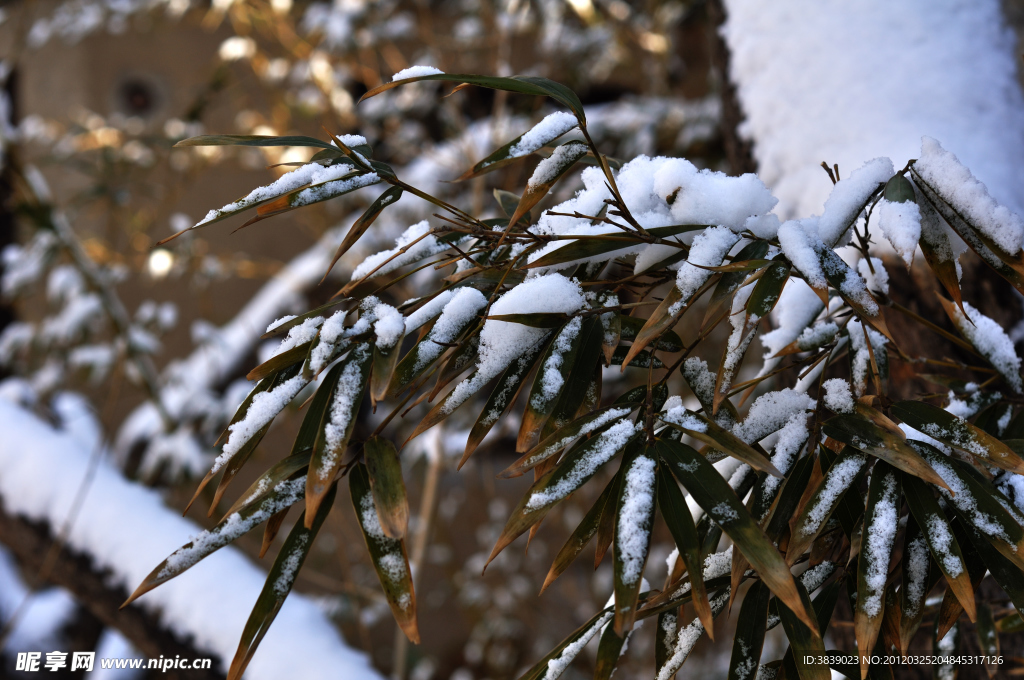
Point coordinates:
pixel 861 355
pixel 323 191
pixel 813 578
pixel 712 198
pixel 708 250
pixel 550 376
pixel 848 198
pixel 552 127
pixel 940 540
pixel 901 224
pixel 264 408
pixel 636 512
pixel 391 563
pixel 388 327
pixel 343 408
pixel 879 537
pixel 770 412
pixel 502 342
pixel 838 397
pixel 989 338
pixel 796 309
pixel 955 183
pixel 547 170
pixel 817 335
pixel 428 311
pixel 1012 486
pixel 300 334
pixel 605 446
pixel 917 573
pixel 387 261
pixel 946 243
pixel 687 638
pixel 956 80
pixel 838 479
pixel 416 72
pixel 800 243
pixel 595 424
pixel 560 663
pixel 127 530
pixel 743 329
pixel 462 307
pixel 677 414
pixel 877 280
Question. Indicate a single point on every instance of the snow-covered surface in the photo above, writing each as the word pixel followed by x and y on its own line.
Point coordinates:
pixel 417 71
pixel 636 512
pixel 417 242
pixel 708 250
pixel 989 338
pixel 879 536
pixel 901 224
pixel 838 397
pixel 552 127
pixel 126 529
pixel 893 72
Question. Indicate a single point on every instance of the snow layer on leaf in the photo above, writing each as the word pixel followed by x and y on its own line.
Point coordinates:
pixel 800 243
pixel 389 325
pixel 1012 486
pixel 875 276
pixel 817 335
pixel 848 198
pixel 502 342
pixel 552 127
pixel 428 311
pixel 941 540
pixel 323 191
pixel 687 638
pixel 300 335
pixel 547 170
pixel 837 480
pixel 989 338
pixel 558 665
pixel 879 538
pixel 608 444
pixel 770 412
pixel 917 573
pixel 264 407
pixel 861 360
pixel 838 397
pixel 708 250
pixel 425 247
pixel 634 521
pixel 416 71
pixel 970 198
pixel 550 375
pixel 679 415
pixel 458 312
pixel 711 198
pixel 901 224
pixel 946 243
pixel 342 411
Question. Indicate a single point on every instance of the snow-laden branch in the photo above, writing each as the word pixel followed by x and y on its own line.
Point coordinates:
pixel 126 529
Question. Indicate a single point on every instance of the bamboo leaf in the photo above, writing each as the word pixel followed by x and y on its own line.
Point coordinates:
pixel 630 327
pixel 579 387
pixel 748 641
pixel 919 576
pixel 587 249
pixel 957 432
pixel 360 226
pixel 635 522
pixel 558 659
pixel 703 429
pixel 1007 574
pixel 385 472
pixel 339 419
pixel 547 173
pixel 278 363
pixel 807 641
pixel 314 193
pixel 387 554
pixel 881 443
pixel 586 530
pixel 839 478
pixel 610 647
pixel 730 282
pixel 279 584
pixel 717 498
pixel 551 377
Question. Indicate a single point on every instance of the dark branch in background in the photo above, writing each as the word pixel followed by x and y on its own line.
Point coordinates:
pixel 30 542
pixel 738 151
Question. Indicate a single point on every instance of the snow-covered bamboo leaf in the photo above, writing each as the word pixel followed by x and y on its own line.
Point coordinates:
pixel 587 424
pixel 852 288
pixel 580 389
pixel 604 246
pixel 557 660
pixel 634 524
pixel 547 173
pixel 544 133
pixel 462 357
pixel 630 327
pixel 314 193
pixel 572 472
pixel 385 361
pixel 716 497
pixel 359 227
pixel 279 584
pixel 867 436
pixel 665 635
pixel 500 401
pixel 283 470
pixel 957 432
pixel 785 503
pixel 680 524
pixel 279 362
pixel 385 472
pixel 807 641
pixel 529 85
pixel 586 530
pixel 938 251
pixel 606 524
pixel 729 282
pixel 643 359
pixel 1008 575
pixel 750 629
pixel 285 324
pixel 551 376
pixel 881 522
pixel 703 429
pixel 943 545
pixel 339 419
pixel 686 637
pixel 284 495
pixel 768 289
pixel 988 337
pixel 919 576
pixel 387 555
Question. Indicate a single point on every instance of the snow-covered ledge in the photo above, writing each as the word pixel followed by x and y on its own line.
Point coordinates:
pixel 845 82
pixel 127 530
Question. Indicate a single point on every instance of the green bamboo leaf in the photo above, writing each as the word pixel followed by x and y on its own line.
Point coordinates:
pixel 285 469
pixel 339 419
pixel 881 521
pixel 500 401
pixel 643 359
pixel 278 585
pixel 255 140
pixel 748 640
pixel 359 227
pixel 943 545
pixel 529 85
pixel 279 362
pixel 534 320
pixel 730 282
pixel 837 272
pixel 630 327
pixel 938 252
pixel 284 495
pixel 385 473
pixel 838 479
pixel 550 379
pixel 581 535
pixel 899 190
pixel 665 636
pixel 579 385
pixel 587 249
pixel 1007 574
pixel 784 503
pixel 680 524
pixel 547 173
pixel 557 660
pixel 593 422
pixel 387 554
pixel 634 524
pixel 426 353
pixel 958 433
pixel 314 193
pixel 609 648
pixel 717 498
pixel 687 637
pixel 571 473
pixel 869 437
pixel 703 429
pixel 807 642
pixel 919 576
